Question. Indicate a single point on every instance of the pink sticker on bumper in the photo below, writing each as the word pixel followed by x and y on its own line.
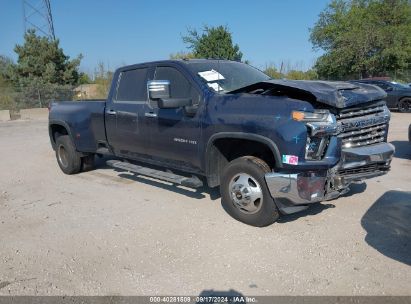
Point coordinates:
pixel 290 159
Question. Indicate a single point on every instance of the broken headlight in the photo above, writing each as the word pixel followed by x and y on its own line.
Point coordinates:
pixel 321 124
pixel 315 146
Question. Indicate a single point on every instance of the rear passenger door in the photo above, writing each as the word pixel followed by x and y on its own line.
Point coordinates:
pixel 125 126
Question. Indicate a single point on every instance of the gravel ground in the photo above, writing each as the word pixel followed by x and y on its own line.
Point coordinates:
pixel 110 233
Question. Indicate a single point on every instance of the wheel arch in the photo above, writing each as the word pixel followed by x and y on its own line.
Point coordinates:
pixel 219 152
pixel 58 127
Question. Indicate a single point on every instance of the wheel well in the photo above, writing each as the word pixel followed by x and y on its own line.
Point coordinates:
pixel 224 150
pixel 56 131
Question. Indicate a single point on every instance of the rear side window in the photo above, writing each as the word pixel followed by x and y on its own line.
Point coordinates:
pixel 132 85
pixel 179 85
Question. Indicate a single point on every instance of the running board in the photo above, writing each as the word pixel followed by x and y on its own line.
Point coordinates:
pixel 191 182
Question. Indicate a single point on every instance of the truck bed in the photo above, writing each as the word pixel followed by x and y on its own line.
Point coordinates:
pixel 85 117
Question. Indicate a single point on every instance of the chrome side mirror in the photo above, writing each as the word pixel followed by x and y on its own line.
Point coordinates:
pixel 158 89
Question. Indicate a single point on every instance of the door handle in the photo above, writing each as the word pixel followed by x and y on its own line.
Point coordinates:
pixel 111 112
pixel 150 114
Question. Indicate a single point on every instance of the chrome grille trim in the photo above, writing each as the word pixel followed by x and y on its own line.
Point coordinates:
pixel 363 143
pixel 364 137
pixel 363 126
pixel 366 130
pixel 363 112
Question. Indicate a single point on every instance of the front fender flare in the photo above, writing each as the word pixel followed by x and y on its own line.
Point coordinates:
pixel 238 135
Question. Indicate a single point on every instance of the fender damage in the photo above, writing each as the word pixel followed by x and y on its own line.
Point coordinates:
pixel 361 129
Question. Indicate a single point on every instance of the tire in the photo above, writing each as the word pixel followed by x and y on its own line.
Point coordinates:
pixel 67 158
pixel 244 192
pixel 87 163
pixel 404 105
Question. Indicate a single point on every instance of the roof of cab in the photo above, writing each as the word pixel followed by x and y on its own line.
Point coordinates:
pixel 178 61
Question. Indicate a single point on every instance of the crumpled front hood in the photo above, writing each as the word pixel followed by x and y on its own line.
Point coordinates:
pixel 338 94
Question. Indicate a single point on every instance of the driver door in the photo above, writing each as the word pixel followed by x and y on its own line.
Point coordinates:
pixel 175 134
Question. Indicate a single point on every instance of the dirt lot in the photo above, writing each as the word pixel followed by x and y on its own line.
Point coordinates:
pixel 110 233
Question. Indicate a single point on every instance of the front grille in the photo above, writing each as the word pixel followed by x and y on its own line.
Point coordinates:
pixel 355 112
pixel 363 126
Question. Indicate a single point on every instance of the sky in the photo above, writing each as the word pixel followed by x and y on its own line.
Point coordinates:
pixel 126 32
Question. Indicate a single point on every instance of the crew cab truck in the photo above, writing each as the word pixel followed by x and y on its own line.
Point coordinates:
pixel 272 146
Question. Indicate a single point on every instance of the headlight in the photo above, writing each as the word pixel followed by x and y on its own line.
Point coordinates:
pixel 317 115
pixel 315 146
pixel 321 124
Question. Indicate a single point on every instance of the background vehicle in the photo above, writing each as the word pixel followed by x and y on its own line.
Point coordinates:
pixel 273 146
pixel 398 95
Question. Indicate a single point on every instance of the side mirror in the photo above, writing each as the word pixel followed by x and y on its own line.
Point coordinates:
pixel 158 89
pixel 389 89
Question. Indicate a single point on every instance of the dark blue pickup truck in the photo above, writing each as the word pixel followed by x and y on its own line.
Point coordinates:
pixel 272 146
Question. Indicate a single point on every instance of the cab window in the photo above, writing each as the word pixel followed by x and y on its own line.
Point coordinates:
pixel 132 85
pixel 179 86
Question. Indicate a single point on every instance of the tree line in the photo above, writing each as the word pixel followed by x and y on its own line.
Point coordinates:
pixel 364 38
pixel 358 38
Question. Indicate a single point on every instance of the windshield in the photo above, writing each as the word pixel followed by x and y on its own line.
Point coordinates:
pixel 226 76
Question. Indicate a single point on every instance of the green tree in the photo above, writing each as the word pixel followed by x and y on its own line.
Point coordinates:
pixel 301 75
pixel 102 77
pixel 213 42
pixel 182 55
pixel 273 72
pixel 41 60
pixel 84 78
pixel 294 74
pixel 7 94
pixel 43 72
pixel 311 74
pixel 363 38
pixel 6 65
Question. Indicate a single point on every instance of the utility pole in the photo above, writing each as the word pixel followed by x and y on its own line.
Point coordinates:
pixel 37 15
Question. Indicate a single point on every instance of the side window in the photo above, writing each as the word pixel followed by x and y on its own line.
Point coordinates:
pixel 132 85
pixel 179 86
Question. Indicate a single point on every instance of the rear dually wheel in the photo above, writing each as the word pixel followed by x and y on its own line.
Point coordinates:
pixel 68 159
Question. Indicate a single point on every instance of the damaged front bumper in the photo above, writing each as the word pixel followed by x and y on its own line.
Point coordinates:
pixel 293 191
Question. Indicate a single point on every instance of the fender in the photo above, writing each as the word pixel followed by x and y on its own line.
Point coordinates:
pixel 240 135
pixel 59 123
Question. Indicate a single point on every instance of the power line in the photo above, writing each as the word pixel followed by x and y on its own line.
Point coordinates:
pixel 37 15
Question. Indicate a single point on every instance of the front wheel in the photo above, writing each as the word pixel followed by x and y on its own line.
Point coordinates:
pixel 244 193
pixel 404 105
